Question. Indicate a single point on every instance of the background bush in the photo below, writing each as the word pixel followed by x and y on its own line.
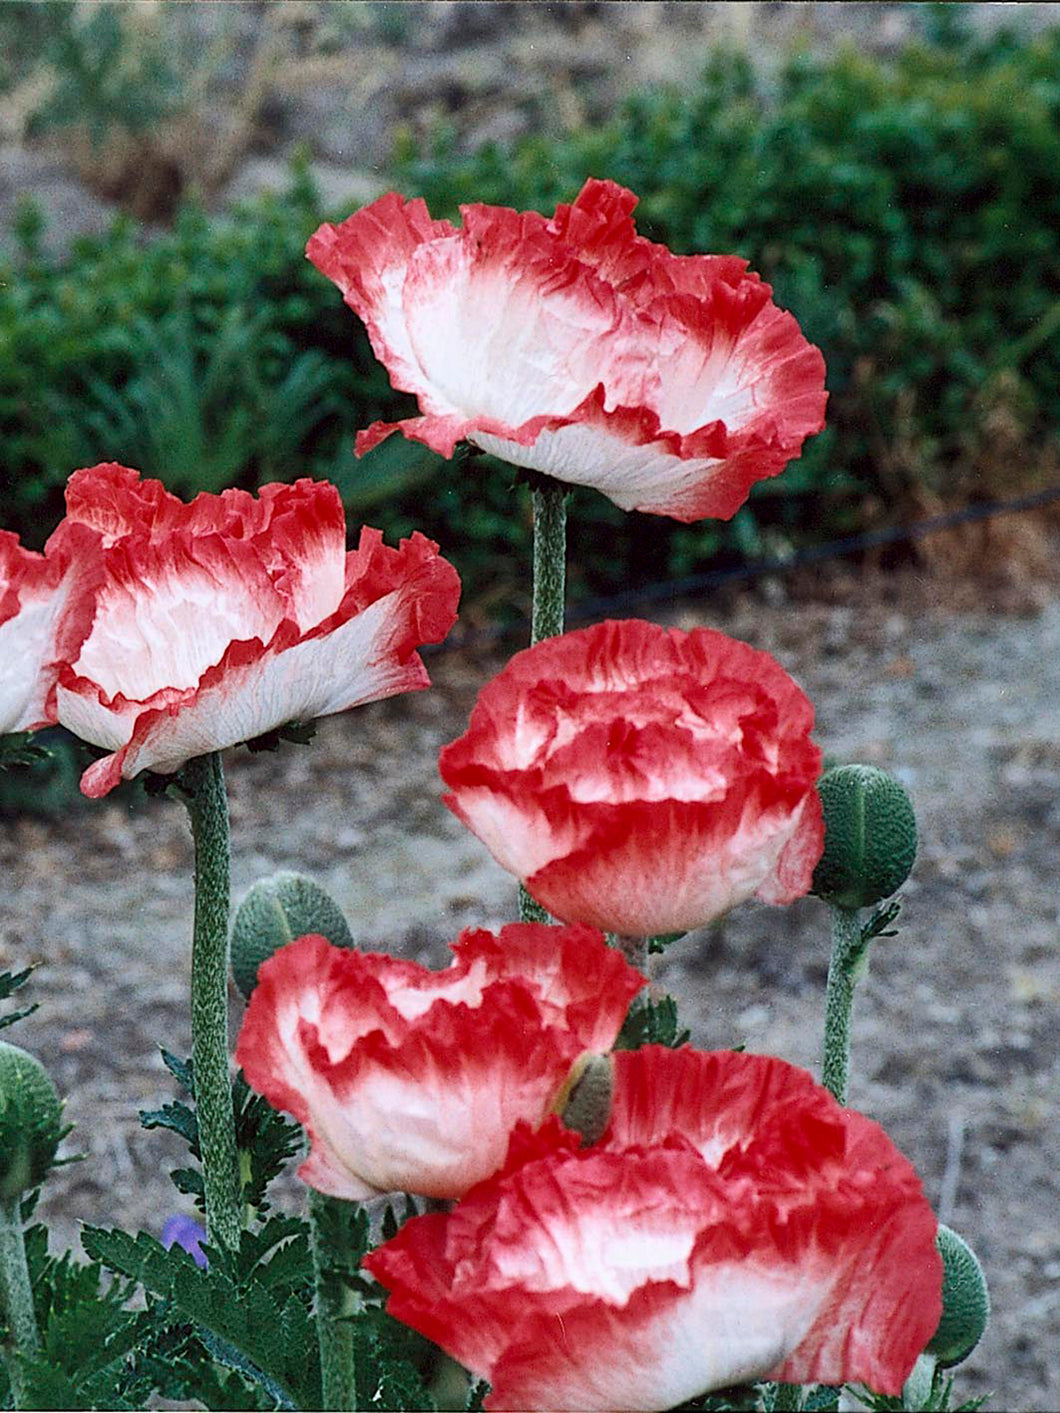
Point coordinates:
pixel 907 212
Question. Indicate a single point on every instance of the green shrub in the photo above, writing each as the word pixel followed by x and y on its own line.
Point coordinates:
pixel 907 212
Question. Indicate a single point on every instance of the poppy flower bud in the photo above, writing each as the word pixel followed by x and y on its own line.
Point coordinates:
pixel 30 1122
pixel 869 836
pixel 585 1103
pixel 965 1301
pixel 275 912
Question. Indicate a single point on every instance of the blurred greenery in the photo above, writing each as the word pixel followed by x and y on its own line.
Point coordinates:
pixel 907 211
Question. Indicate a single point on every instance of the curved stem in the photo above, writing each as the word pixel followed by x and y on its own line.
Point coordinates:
pixel 334 1333
pixel 16 1296
pixel 549 599
pixel 207 803
pixel 839 1002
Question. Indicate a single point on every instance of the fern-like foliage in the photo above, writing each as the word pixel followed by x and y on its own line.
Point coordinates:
pixel 260 1328
pixel 264 1138
pixel 651 1022
pixel 9 984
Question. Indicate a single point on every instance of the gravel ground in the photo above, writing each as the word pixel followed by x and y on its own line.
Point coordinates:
pixel 956 1045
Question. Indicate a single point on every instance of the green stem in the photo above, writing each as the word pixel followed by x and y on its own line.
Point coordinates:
pixel 839 1002
pixel 530 910
pixel 204 787
pixel 550 560
pixel 333 1302
pixel 16 1296
pixel 549 597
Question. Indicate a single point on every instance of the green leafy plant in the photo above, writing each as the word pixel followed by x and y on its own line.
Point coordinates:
pixel 906 209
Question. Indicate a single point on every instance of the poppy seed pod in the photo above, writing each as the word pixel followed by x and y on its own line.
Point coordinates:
pixel 869 836
pixel 30 1122
pixel 275 912
pixel 965 1301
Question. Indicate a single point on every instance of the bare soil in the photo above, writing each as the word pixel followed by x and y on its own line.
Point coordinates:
pixel 957 1042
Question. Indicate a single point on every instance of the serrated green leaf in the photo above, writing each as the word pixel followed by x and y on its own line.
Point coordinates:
pixel 13 1016
pixel 879 924
pixel 476 1396
pixel 386 1375
pixel 176 1117
pixel 822 1398
pixel 268 1139
pixel 243 1314
pixel 180 1069
pixel 233 1358
pixel 389 1224
pixel 10 981
pixel 9 984
pixel 190 1183
pixel 651 1022
pixel 47 1386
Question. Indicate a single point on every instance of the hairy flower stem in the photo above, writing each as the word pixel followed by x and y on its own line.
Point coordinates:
pixel 333 1303
pixel 204 794
pixel 843 972
pixel 549 596
pixel 550 560
pixel 16 1297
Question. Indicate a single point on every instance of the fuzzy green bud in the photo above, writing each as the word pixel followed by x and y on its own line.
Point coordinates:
pixel 275 912
pixel 869 836
pixel 965 1301
pixel 31 1122
pixel 584 1104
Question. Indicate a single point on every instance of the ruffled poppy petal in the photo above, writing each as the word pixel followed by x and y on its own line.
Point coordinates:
pixel 411 1079
pixel 642 780
pixel 577 348
pixel 734 1223
pixel 367 256
pixel 47 603
pixel 218 621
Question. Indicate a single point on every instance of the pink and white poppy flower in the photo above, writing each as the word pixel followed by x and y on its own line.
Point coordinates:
pixel 226 618
pixel 734 1223
pixel 576 347
pixel 46 607
pixel 412 1080
pixel 640 779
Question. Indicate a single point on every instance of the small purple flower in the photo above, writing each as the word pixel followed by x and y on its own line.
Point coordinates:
pixel 186 1233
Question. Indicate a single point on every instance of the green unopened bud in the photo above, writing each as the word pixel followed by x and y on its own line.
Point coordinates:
pixel 869 836
pixel 275 912
pixel 584 1103
pixel 965 1301
pixel 31 1122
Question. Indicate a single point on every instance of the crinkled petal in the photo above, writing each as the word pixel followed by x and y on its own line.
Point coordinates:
pixel 733 1224
pixel 46 608
pixel 218 621
pixel 253 689
pixel 577 348
pixel 642 780
pixel 669 866
pixel 413 1080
